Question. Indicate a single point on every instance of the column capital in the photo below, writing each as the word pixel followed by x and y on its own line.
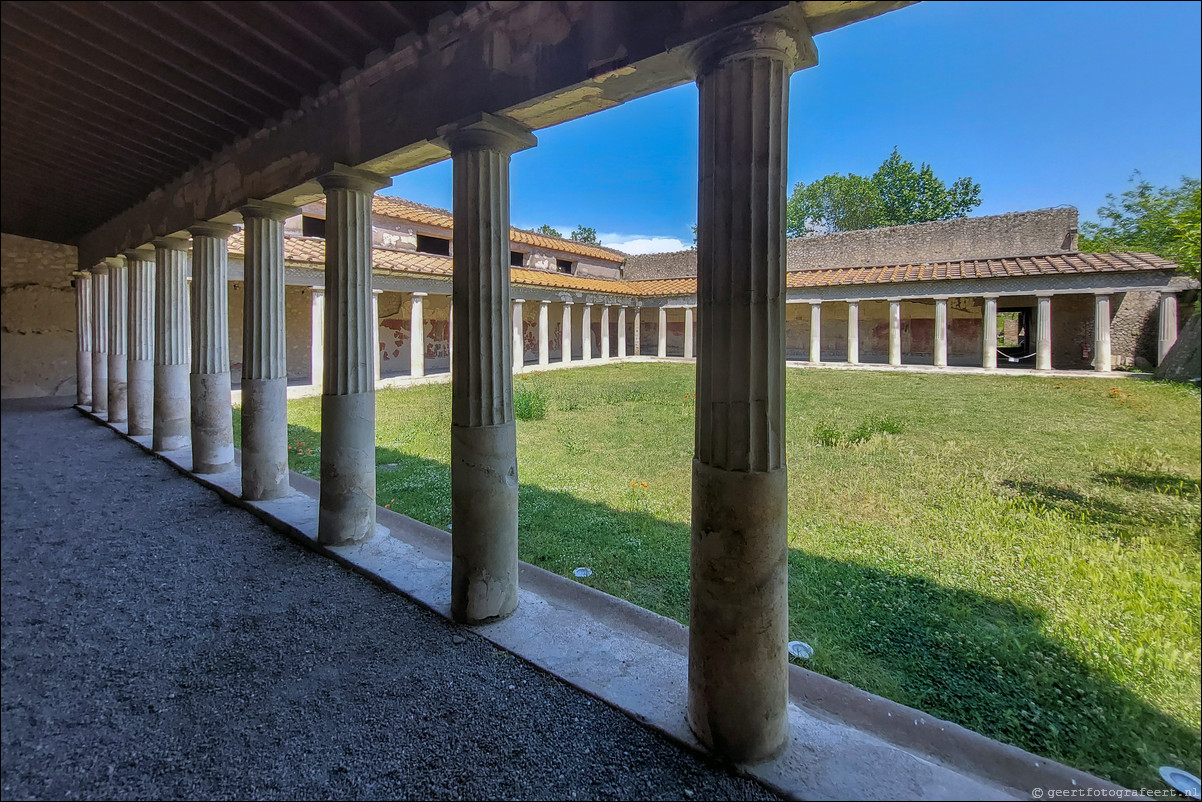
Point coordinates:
pixel 113 262
pixel 170 243
pixel 267 210
pixel 206 228
pixel 567 303
pixel 419 294
pixel 784 36
pixel 484 131
pixel 318 288
pixel 100 269
pixel 143 253
pixel 376 292
pixel 519 301
pixel 1107 292
pixel 343 177
pixel 83 274
pixel 544 303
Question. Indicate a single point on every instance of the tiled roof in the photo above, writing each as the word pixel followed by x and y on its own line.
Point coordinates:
pixel 401 209
pixel 311 250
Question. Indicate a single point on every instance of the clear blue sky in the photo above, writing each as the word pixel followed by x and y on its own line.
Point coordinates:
pixel 1042 103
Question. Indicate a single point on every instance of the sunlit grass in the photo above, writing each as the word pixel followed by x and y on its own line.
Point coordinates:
pixel 1016 554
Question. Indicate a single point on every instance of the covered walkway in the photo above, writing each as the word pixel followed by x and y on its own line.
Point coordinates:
pixel 157 644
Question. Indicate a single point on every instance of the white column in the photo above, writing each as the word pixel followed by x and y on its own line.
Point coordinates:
pixel 139 395
pixel 317 337
pixel 519 343
pixel 375 345
pixel 989 334
pixel 212 415
pixel 1168 326
pixel 621 331
pixel 451 334
pixel 894 332
pixel 605 354
pixel 484 478
pixel 638 331
pixel 264 353
pixel 586 333
pixel 118 338
pixel 1101 332
pixel 544 342
pixel 688 332
pixel 940 355
pixel 83 337
pixel 417 335
pixel 1043 337
pixel 815 332
pixel 100 339
pixel 347 507
pixel 663 331
pixel 172 346
pixel 853 332
pixel 739 612
pixel 566 338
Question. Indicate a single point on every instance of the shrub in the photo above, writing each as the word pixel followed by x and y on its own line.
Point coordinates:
pixel 530 403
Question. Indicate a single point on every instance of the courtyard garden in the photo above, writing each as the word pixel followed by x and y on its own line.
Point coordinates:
pixel 1016 554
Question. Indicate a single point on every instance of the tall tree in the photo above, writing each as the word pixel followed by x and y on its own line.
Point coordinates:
pixel 896 194
pixel 547 231
pixel 586 235
pixel 1160 220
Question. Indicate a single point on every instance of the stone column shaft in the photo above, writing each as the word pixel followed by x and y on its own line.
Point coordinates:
pixel 1043 337
pixel 663 332
pixel 586 333
pixel 264 354
pixel 815 332
pixel 605 332
pixel 1101 332
pixel 1168 326
pixel 622 331
pixel 638 332
pixel 347 507
pixel 895 333
pixel 519 343
pixel 375 315
pixel 100 339
pixel 118 339
pixel 688 332
pixel 212 415
pixel 317 336
pixel 738 664
pixel 139 395
pixel 940 355
pixel 484 473
pixel 83 337
pixel 172 390
pixel 989 335
pixel 544 343
pixel 417 334
pixel 853 332
pixel 566 338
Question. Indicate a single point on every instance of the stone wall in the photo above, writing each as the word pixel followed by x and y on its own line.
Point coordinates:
pixel 298 327
pixel 37 306
pixel 1037 233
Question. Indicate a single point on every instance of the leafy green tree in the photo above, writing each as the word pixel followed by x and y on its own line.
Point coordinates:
pixel 547 231
pixel 1159 220
pixel 586 235
pixel 896 194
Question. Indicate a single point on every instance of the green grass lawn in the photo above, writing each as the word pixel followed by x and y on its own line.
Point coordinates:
pixel 1019 555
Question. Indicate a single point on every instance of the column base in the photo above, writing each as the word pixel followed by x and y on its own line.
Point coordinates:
pixel 140 397
pixel 83 378
pixel 348 469
pixel 484 522
pixel 117 388
pixel 212 424
pixel 100 383
pixel 265 439
pixel 739 613
pixel 172 428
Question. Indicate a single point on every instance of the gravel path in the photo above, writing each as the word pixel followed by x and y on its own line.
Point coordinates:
pixel 157 643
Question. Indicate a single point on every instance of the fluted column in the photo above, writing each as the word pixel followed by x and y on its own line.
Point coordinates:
pixel 1043 335
pixel 605 331
pixel 317 336
pixel 638 332
pixel 566 338
pixel 815 332
pixel 853 332
pixel 1168 326
pixel 895 333
pixel 544 343
pixel 212 416
pixel 417 334
pixel 375 331
pixel 622 331
pixel 989 334
pixel 172 427
pixel 688 332
pixel 484 477
pixel 662 332
pixel 738 663
pixel 519 342
pixel 100 339
pixel 347 507
pixel 586 333
pixel 83 337
pixel 264 354
pixel 940 356
pixel 139 380
pixel 118 338
pixel 1101 332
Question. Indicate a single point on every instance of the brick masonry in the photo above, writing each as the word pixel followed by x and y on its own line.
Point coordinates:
pixel 37 306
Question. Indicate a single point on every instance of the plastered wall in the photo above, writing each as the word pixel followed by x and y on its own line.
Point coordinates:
pixel 37 311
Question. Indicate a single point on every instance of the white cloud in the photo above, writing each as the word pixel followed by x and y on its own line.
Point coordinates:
pixel 639 243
